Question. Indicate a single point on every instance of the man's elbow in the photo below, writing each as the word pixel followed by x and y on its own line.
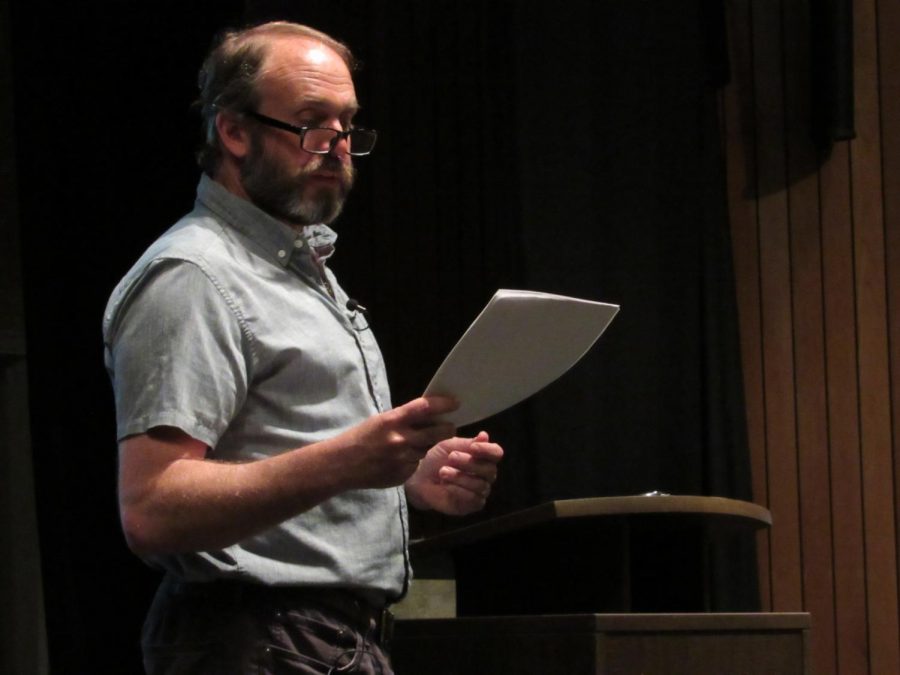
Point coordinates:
pixel 143 536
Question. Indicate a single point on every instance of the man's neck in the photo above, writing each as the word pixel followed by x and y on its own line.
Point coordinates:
pixel 228 176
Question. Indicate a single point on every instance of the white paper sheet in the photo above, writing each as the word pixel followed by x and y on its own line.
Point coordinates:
pixel 521 342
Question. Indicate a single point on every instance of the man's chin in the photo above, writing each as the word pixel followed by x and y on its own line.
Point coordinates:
pixel 312 205
pixel 324 203
pixel 318 212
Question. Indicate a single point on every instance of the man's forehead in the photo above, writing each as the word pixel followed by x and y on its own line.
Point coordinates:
pixel 286 53
pixel 309 69
pixel 318 54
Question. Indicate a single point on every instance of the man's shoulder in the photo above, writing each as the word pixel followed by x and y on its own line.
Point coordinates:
pixel 198 236
pixel 197 244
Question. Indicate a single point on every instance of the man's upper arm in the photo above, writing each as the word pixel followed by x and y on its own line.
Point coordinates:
pixel 177 355
pixel 143 458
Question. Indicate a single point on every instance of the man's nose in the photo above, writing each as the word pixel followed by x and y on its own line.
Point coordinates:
pixel 340 147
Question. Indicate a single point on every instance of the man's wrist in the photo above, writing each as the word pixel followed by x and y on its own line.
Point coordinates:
pixel 413 497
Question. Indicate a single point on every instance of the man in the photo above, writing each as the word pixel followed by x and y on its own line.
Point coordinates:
pixel 261 464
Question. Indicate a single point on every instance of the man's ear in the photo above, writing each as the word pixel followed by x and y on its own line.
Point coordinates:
pixel 233 135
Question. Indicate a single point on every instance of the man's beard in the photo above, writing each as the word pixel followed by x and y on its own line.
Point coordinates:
pixel 289 196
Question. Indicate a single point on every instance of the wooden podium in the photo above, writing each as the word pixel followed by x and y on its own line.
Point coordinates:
pixel 610 585
pixel 605 554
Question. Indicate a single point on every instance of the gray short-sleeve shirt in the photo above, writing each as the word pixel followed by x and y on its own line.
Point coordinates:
pixel 225 329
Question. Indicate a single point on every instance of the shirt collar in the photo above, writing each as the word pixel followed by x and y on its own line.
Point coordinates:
pixel 282 243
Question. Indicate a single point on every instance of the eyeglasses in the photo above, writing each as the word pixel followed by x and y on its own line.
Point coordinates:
pixel 321 140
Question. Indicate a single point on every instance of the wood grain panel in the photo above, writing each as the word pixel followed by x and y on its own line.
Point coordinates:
pixel 889 86
pixel 739 129
pixel 877 467
pixel 843 417
pixel 809 341
pixel 775 288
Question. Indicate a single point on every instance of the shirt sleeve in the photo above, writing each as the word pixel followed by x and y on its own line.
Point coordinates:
pixel 179 354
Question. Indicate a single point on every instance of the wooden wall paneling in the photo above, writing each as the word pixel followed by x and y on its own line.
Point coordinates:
pixel 875 427
pixel 809 341
pixel 739 129
pixel 778 363
pixel 843 414
pixel 818 279
pixel 889 102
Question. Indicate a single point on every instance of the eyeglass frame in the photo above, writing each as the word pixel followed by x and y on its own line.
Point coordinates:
pixel 302 131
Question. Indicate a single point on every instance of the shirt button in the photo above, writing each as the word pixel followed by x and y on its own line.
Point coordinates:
pixel 298 243
pixel 282 253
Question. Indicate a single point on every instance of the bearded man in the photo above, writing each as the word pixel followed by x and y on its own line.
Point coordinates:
pixel 262 465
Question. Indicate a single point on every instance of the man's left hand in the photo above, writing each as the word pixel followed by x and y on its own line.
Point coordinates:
pixel 456 475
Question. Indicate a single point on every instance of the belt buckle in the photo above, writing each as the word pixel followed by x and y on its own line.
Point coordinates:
pixel 386 628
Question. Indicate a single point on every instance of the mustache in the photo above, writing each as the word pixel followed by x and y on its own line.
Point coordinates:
pixel 333 164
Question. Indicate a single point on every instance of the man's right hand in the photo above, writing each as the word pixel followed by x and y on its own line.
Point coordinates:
pixel 385 450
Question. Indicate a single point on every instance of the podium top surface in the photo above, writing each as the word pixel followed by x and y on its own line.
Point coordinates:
pixel 714 510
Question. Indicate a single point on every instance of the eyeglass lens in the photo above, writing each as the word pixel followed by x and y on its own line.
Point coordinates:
pixel 360 141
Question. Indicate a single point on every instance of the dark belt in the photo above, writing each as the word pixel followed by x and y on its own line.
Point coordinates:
pixel 352 607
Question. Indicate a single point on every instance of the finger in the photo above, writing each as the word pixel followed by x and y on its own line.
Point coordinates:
pixel 456 444
pixel 427 437
pixel 474 484
pixel 464 443
pixel 490 452
pixel 466 463
pixel 425 408
pixel 464 501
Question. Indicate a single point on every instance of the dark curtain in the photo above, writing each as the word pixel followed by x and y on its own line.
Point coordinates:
pixel 623 200
pixel 565 147
pixel 104 140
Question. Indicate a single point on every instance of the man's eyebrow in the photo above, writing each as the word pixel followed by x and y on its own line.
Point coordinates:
pixel 318 106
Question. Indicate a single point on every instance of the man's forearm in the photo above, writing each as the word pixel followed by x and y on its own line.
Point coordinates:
pixel 194 504
pixel 172 499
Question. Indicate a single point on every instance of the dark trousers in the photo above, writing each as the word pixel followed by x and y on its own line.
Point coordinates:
pixel 226 628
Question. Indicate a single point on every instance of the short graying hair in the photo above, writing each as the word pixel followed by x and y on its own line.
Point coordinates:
pixel 229 76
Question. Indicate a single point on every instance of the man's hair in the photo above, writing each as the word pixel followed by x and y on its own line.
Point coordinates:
pixel 230 74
